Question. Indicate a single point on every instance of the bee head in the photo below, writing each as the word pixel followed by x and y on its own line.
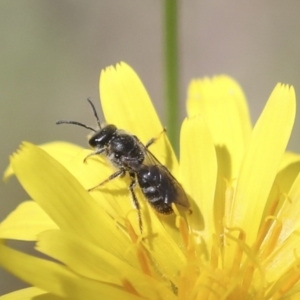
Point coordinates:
pixel 103 136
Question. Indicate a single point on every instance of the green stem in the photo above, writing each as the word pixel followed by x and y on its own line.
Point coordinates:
pixel 171 70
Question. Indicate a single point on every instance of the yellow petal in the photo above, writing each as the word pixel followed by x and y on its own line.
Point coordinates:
pixel 126 103
pixel 288 159
pixel 289 213
pixel 159 231
pixel 61 196
pixel 61 151
pixel 198 166
pixel 118 202
pixel 287 173
pixel 287 247
pixel 278 262
pixel 262 159
pixel 26 222
pixel 98 264
pixel 26 294
pixel 71 250
pixel 222 104
pixel 159 243
pixel 56 278
pixel 89 174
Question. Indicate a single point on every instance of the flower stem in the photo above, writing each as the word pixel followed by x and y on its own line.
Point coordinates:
pixel 171 70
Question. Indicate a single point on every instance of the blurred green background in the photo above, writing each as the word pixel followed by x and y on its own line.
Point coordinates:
pixel 52 51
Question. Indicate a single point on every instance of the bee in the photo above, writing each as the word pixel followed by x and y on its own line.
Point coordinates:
pixel 130 156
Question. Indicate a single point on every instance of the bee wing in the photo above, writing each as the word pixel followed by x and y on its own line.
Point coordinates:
pixel 176 192
pixel 150 158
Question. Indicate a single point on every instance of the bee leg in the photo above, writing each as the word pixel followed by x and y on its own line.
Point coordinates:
pixel 135 201
pixel 119 173
pixel 151 141
pixel 99 151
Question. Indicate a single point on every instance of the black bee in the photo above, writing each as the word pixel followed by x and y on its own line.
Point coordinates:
pixel 128 155
pixel 160 188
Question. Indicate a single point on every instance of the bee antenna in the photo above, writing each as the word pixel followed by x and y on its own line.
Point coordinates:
pixel 75 123
pixel 95 112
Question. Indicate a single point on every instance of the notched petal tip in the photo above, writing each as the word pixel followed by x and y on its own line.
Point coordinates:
pixel 24 149
pixel 119 67
pixel 285 89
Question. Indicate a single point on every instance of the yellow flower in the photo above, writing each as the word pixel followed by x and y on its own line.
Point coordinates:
pixel 240 241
